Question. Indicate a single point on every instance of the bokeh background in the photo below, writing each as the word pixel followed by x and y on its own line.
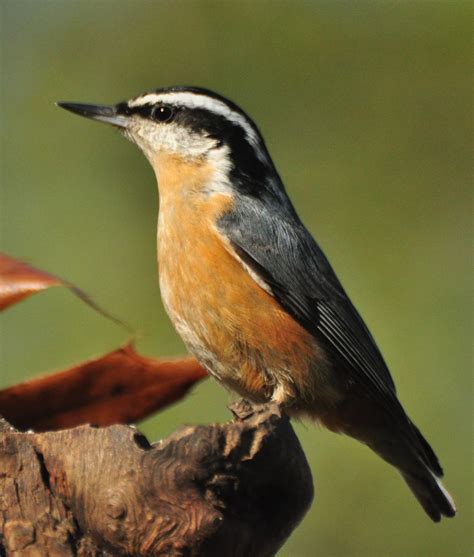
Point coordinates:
pixel 366 108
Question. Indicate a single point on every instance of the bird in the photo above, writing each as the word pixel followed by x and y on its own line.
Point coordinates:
pixel 248 288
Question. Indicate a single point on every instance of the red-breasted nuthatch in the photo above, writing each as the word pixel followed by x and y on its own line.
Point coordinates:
pixel 250 291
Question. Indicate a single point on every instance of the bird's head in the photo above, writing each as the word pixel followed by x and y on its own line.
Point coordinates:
pixel 190 126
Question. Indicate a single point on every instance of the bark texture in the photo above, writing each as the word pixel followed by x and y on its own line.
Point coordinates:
pixel 234 489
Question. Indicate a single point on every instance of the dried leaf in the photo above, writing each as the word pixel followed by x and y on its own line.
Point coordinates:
pixel 120 387
pixel 19 280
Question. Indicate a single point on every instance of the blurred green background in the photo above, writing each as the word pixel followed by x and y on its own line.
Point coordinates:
pixel 366 108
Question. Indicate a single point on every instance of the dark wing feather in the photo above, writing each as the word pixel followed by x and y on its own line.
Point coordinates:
pixel 283 253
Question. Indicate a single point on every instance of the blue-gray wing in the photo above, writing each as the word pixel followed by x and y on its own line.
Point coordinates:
pixel 284 255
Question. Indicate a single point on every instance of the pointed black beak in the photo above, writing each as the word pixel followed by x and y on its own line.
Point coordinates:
pixel 100 112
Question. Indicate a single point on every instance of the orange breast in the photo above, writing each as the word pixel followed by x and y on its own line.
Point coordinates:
pixel 233 325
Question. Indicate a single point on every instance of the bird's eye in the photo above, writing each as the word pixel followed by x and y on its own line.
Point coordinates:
pixel 162 113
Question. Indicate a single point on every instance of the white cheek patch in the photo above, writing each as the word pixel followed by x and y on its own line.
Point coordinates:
pixel 152 137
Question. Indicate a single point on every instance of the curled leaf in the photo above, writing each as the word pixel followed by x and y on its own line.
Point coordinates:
pixel 19 280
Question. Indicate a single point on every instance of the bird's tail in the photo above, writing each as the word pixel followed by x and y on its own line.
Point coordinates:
pixel 393 436
pixel 431 494
pixel 422 477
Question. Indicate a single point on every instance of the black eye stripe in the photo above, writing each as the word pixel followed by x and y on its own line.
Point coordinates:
pixel 158 112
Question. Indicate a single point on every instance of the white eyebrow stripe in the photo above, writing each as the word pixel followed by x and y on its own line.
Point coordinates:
pixel 196 100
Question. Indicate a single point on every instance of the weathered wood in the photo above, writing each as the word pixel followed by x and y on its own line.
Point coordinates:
pixel 235 489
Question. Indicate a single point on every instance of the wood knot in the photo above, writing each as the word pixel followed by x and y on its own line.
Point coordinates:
pixel 115 507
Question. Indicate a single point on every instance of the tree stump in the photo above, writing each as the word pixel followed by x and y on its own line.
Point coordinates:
pixel 236 489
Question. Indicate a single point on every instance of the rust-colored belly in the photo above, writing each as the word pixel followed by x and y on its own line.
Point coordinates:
pixel 236 328
pixel 232 324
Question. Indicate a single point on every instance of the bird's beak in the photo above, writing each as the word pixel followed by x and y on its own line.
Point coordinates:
pixel 102 113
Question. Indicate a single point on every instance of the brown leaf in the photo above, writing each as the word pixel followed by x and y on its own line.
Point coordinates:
pixel 120 387
pixel 19 280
